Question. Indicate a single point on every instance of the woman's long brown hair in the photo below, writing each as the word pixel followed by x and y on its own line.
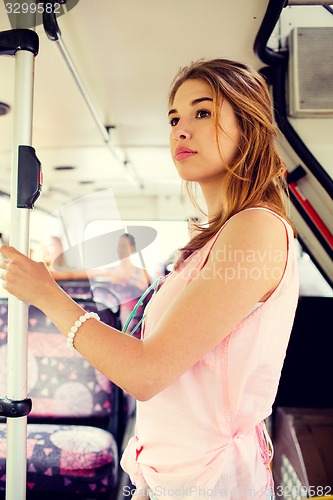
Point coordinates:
pixel 256 176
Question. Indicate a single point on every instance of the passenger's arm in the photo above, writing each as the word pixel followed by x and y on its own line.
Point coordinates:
pixel 244 267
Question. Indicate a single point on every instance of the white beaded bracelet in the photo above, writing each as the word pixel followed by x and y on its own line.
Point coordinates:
pixel 72 332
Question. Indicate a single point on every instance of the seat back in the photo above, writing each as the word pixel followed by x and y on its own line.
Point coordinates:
pixel 101 292
pixel 66 460
pixel 120 298
pixel 76 288
pixel 63 386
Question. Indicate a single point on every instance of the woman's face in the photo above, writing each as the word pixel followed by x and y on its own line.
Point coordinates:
pixel 193 143
pixel 52 249
pixel 124 248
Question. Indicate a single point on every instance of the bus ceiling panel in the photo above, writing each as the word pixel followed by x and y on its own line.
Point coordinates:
pixel 138 47
pixel 126 54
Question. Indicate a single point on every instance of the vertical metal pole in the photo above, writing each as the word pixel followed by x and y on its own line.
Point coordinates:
pixel 17 310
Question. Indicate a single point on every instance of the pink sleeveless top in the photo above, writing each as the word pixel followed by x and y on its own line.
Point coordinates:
pixel 204 435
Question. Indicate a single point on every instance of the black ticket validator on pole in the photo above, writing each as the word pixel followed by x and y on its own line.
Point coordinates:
pixel 29 185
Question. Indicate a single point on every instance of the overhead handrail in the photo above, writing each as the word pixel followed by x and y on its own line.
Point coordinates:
pixel 308 2
pixel 53 32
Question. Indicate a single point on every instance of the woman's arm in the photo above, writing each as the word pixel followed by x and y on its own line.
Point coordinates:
pixel 245 266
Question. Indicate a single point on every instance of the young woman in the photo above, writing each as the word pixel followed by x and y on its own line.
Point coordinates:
pixel 206 370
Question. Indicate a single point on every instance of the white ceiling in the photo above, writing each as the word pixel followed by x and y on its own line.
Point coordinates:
pixel 126 53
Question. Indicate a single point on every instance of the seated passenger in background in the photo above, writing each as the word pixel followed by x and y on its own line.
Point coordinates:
pixel 53 257
pixel 128 280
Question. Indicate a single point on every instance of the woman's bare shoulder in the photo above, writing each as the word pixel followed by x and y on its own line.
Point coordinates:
pixel 255 227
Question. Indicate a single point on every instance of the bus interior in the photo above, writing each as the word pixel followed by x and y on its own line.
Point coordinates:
pixel 100 132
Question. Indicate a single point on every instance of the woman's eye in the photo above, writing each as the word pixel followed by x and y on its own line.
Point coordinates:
pixel 203 113
pixel 173 122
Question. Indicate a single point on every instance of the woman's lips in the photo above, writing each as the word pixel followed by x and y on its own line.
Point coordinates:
pixel 183 153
